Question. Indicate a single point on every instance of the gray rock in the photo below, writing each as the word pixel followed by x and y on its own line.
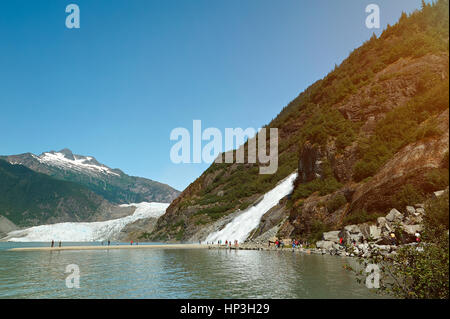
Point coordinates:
pixel 325 244
pixel 349 238
pixel 383 247
pixel 410 210
pixel 420 211
pixel 419 205
pixel 418 219
pixel 394 216
pixel 365 230
pixel 375 232
pixel 412 229
pixel 381 222
pixel 331 236
pixel 338 247
pixel 352 229
pixel 413 220
pixel 439 193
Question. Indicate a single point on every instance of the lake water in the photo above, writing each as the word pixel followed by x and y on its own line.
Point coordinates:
pixel 176 273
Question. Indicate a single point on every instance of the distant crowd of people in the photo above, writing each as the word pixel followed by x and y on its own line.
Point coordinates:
pixel 278 243
pixel 228 243
pixel 60 243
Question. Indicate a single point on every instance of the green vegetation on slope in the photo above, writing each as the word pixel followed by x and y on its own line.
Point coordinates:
pixel 313 117
pixel 400 127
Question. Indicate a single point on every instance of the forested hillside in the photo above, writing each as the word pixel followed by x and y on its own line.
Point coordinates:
pixel 375 128
pixel 29 198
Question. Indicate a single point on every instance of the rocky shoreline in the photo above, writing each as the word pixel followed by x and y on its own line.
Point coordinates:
pixel 359 240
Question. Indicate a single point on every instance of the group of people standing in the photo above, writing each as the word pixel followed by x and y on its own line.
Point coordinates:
pixel 280 243
pixel 228 243
pixel 53 244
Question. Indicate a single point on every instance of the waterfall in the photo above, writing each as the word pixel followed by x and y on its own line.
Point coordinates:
pixel 241 226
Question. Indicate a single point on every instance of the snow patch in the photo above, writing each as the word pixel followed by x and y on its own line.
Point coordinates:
pixel 78 164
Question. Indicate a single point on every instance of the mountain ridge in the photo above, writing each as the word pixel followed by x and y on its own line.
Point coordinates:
pixel 28 198
pixel 112 184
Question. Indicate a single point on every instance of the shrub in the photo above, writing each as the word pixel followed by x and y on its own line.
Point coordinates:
pixel 407 195
pixel 436 219
pixel 336 202
pixel 437 179
pixel 317 230
pixel 359 217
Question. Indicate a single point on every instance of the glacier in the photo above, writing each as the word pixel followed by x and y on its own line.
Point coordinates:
pixel 242 225
pixel 87 231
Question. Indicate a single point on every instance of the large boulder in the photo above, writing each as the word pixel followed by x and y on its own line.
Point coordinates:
pixel 384 226
pixel 325 244
pixel 410 210
pixel 413 220
pixel 420 211
pixel 349 238
pixel 412 229
pixel 352 229
pixel 371 231
pixel 338 247
pixel 374 232
pixel 332 236
pixel 381 222
pixel 439 193
pixel 394 216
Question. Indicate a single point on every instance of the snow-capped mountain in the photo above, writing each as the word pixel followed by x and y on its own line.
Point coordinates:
pixel 65 159
pixel 112 184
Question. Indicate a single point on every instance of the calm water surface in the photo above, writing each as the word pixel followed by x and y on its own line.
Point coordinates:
pixel 174 273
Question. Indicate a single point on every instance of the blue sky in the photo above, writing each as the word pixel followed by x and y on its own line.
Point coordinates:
pixel 136 69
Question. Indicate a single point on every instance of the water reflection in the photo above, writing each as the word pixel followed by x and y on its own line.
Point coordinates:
pixel 177 274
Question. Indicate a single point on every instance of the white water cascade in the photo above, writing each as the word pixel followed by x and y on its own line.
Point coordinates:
pixel 241 226
pixel 83 232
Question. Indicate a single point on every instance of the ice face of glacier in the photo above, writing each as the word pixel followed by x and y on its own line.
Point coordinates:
pixel 241 226
pixel 82 232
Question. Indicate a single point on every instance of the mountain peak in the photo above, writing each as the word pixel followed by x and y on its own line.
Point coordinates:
pixel 67 153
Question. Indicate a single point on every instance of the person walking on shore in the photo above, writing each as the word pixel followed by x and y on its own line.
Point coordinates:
pixel 417 234
pixel 53 243
pixel 59 244
pixel 108 242
pixel 393 239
